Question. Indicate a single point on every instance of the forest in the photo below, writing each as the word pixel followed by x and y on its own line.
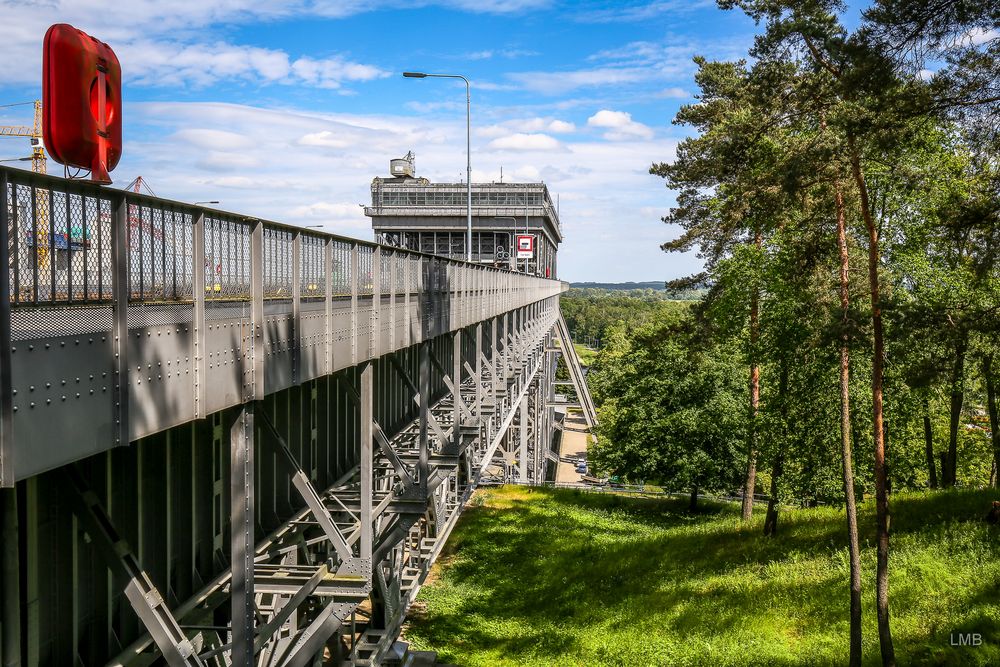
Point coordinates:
pixel 842 189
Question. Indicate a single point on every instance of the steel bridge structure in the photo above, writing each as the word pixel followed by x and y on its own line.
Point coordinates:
pixel 228 441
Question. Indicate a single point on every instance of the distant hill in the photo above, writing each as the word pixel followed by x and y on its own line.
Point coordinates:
pixel 648 291
pixel 654 284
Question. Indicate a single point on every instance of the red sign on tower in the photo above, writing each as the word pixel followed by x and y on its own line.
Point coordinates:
pixel 81 101
pixel 525 246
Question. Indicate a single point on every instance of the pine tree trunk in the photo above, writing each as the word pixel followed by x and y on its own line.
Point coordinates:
pixel 751 476
pixel 929 445
pixel 777 467
pixel 878 434
pixel 854 548
pixel 771 517
pixel 957 398
pixel 693 504
pixel 991 403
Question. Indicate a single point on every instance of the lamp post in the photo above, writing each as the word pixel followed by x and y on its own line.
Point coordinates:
pixel 468 149
pixel 214 201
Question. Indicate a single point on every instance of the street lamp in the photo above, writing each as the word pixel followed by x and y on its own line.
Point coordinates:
pixel 214 201
pixel 468 148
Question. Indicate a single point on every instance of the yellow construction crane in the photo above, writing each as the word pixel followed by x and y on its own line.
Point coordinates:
pixel 38 160
pixel 34 133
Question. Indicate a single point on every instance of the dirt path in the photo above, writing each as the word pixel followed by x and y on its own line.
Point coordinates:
pixel 574 441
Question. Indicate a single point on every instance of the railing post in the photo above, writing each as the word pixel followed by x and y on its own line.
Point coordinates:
pixel 6 348
pixel 375 342
pixel 256 312
pixel 328 301
pixel 198 287
pixel 393 260
pixel 296 307
pixel 354 303
pixel 120 287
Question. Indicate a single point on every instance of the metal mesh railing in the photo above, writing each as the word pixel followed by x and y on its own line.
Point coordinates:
pixel 59 246
pixel 65 239
pixel 312 267
pixel 160 244
pixel 227 259
pixel 277 263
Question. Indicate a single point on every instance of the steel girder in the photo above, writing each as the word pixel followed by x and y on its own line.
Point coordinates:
pixel 341 573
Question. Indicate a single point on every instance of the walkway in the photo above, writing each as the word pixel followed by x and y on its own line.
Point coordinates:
pixel 574 441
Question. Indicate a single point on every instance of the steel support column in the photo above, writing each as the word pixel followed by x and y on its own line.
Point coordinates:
pixel 10 581
pixel 523 433
pixel 241 545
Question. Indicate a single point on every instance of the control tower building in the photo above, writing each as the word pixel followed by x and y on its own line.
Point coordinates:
pixel 411 212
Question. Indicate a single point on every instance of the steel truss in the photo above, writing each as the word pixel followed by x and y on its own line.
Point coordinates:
pixel 340 575
pixel 160 363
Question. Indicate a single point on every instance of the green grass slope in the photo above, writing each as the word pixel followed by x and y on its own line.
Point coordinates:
pixel 560 577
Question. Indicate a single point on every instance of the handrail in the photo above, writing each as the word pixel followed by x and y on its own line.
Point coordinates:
pixel 62 249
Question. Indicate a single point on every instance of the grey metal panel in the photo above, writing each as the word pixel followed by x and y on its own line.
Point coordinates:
pixel 364 332
pixel 341 335
pixel 161 377
pixel 226 366
pixel 62 400
pixel 384 323
pixel 312 355
pixel 279 369
pixel 402 325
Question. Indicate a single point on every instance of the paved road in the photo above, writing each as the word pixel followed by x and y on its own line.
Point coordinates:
pixel 574 441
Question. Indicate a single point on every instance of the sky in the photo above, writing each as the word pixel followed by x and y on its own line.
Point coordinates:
pixel 287 110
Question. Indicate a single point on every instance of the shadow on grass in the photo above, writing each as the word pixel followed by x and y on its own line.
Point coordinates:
pixel 562 577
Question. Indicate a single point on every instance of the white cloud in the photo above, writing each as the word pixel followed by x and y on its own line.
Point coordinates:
pixel 674 93
pixel 331 72
pixel 227 161
pixel 561 127
pixel 486 54
pixel 324 139
pixel 620 125
pixel 630 65
pixel 526 125
pixel 556 83
pixel 608 118
pixel 642 11
pixel 170 43
pixel 525 142
pixel 176 64
pixel 329 210
pixel 219 140
pixel 978 36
